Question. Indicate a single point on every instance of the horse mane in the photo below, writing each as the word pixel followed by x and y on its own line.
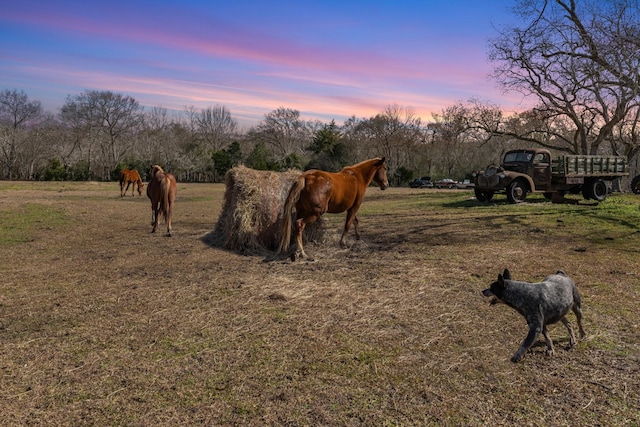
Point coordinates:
pixel 363 166
pixel 363 163
pixel 156 169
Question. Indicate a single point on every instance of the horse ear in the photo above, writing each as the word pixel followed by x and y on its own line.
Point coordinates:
pixel 507 274
pixel 381 161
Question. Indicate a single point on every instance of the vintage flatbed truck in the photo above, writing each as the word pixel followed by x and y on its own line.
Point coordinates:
pixel 534 171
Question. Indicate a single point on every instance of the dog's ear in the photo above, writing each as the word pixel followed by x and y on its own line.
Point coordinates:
pixel 497 288
pixel 506 274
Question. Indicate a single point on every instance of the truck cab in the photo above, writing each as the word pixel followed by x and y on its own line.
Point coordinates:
pixel 532 163
pixel 520 172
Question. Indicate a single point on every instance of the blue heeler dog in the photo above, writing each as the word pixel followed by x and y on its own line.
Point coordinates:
pixel 541 304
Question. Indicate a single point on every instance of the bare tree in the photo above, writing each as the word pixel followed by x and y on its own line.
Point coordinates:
pixel 212 129
pixel 286 134
pixel 41 146
pixel 451 144
pixel 395 133
pixel 157 142
pixel 580 59
pixel 110 119
pixel 463 137
pixel 17 114
pixel 213 126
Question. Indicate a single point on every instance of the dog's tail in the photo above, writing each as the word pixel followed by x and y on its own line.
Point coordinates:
pixel 577 310
pixel 577 299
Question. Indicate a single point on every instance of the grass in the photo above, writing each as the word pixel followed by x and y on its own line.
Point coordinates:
pixel 22 223
pixel 103 323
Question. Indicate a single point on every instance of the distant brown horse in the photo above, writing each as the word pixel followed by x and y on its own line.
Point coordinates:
pixel 162 189
pixel 130 177
pixel 316 192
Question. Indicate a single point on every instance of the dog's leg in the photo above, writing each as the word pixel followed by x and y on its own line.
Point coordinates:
pixel 572 336
pixel 534 330
pixel 577 310
pixel 545 333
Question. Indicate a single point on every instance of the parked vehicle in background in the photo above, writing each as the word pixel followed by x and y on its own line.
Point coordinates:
pixel 635 185
pixel 424 182
pixel 445 183
pixel 532 170
pixel 466 184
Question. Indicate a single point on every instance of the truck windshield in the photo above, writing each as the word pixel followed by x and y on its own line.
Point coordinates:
pixel 518 156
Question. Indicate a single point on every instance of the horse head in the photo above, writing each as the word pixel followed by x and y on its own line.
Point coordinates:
pixel 155 169
pixel 380 176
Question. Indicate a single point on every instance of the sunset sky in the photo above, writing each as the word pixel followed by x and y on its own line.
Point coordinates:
pixel 327 59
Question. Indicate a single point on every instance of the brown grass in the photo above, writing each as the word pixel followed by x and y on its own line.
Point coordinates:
pixel 103 323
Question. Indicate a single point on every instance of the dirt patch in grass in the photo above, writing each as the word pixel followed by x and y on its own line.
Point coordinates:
pixel 104 323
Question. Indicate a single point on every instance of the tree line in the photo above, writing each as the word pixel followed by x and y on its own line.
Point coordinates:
pixel 576 61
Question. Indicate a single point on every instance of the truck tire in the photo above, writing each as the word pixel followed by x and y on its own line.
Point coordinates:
pixel 517 191
pixel 635 185
pixel 484 196
pixel 595 189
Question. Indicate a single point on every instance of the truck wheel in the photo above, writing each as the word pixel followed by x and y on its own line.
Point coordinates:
pixel 597 190
pixel 484 196
pixel 635 185
pixel 517 191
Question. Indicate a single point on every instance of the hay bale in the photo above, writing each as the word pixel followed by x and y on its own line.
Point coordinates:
pixel 252 210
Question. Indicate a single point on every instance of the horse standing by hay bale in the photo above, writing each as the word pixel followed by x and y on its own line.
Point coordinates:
pixel 316 192
pixel 130 177
pixel 161 191
pixel 250 217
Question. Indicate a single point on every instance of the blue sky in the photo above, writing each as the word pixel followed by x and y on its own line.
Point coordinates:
pixel 329 59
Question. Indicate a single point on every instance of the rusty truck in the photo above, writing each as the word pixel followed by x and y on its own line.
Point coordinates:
pixel 534 170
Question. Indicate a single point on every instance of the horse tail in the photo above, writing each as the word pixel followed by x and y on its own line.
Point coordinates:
pixel 165 208
pixel 287 211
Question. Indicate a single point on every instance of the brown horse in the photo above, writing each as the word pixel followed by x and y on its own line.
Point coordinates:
pixel 316 192
pixel 162 191
pixel 130 177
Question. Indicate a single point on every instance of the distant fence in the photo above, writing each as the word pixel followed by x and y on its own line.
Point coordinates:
pixel 195 177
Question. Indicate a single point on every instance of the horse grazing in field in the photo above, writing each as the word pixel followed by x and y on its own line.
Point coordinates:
pixel 129 177
pixel 316 192
pixel 162 189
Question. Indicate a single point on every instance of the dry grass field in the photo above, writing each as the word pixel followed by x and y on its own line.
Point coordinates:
pixel 103 323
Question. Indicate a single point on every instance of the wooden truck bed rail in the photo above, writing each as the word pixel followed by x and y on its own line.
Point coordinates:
pixel 575 165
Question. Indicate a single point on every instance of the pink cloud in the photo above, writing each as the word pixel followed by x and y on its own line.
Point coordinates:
pixel 247 70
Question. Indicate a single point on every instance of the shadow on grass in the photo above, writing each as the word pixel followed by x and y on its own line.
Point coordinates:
pixel 497 221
